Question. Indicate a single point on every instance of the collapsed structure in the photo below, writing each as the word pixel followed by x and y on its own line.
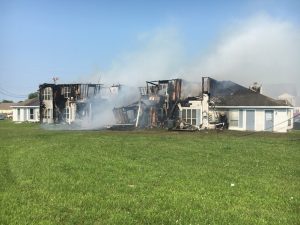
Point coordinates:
pixel 219 105
pixel 66 103
pixel 157 104
pixel 170 104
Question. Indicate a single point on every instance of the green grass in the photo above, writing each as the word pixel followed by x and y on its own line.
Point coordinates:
pixel 147 177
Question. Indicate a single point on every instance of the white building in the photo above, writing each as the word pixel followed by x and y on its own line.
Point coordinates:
pixel 5 109
pixel 245 109
pixel 27 111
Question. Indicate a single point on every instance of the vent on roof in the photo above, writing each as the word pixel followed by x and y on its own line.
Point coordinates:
pixel 255 87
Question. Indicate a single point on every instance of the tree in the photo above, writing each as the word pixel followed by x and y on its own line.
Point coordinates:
pixel 7 101
pixel 33 95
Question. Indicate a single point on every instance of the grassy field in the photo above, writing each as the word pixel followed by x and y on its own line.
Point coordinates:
pixel 147 177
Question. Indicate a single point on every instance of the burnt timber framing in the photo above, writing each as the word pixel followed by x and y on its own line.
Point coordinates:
pixel 220 105
pixel 157 105
pixel 62 103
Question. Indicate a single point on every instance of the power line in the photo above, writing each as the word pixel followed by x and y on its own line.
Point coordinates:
pixel 11 94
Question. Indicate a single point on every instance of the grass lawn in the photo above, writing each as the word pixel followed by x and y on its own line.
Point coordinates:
pixel 147 177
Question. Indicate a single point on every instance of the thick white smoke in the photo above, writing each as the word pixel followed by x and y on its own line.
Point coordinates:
pixel 261 49
pixel 159 55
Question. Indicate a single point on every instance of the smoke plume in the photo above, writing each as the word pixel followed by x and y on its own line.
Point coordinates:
pixel 159 55
pixel 261 49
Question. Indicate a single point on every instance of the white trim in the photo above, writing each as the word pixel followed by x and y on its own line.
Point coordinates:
pixel 25 107
pixel 254 107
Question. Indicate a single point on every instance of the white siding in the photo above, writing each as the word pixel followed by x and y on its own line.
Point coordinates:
pixel 259 120
pixel 281 117
pixel 290 113
pixel 280 120
pixel 23 114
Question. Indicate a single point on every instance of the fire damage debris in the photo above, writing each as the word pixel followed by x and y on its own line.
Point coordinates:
pixel 171 104
pixel 157 105
pixel 161 105
pixel 67 103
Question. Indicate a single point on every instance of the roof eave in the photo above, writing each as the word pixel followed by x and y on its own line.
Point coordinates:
pixel 257 107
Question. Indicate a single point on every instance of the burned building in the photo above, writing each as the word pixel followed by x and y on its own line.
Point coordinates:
pixel 162 104
pixel 157 104
pixel 220 105
pixel 66 103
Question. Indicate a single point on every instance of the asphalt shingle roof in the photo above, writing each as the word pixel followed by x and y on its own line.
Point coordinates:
pixel 29 102
pixel 228 93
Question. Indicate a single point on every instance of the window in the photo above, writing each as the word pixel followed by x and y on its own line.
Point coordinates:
pixel 31 114
pixel 67 113
pixel 234 118
pixel 19 114
pixel 48 113
pixel 241 118
pixel 189 116
pixel 66 91
pixel 47 93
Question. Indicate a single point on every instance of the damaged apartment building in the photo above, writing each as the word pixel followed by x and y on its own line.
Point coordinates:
pixel 157 104
pixel 173 104
pixel 67 103
pixel 217 105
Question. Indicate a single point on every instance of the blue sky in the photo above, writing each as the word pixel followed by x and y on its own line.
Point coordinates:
pixel 74 40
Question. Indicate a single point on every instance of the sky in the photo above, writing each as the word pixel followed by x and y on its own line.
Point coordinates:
pixel 129 42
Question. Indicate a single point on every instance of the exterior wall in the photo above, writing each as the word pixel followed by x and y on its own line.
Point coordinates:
pixel 195 105
pixel 202 113
pixel 23 114
pixel 48 106
pixel 259 119
pixel 6 111
pixel 281 118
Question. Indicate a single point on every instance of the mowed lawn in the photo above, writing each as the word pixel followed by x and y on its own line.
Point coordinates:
pixel 147 177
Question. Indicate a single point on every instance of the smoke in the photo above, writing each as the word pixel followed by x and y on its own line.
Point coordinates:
pixel 102 105
pixel 261 49
pixel 159 55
